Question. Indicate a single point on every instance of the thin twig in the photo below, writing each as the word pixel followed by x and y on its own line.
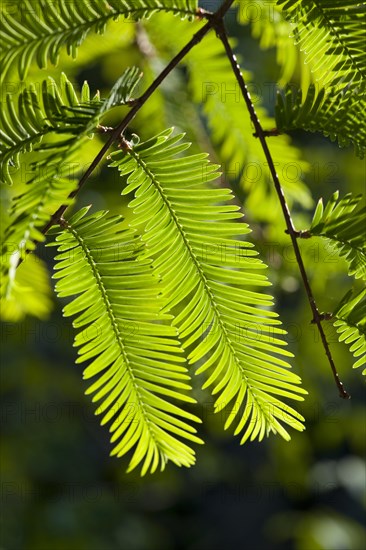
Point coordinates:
pixel 114 135
pixel 260 133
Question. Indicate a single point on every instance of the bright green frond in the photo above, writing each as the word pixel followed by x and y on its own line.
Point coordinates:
pixel 322 41
pixel 329 36
pixel 331 33
pixel 210 276
pixel 137 368
pixel 67 121
pixel 30 293
pixel 32 115
pixel 344 225
pixel 351 325
pixel 39 29
pixel 338 115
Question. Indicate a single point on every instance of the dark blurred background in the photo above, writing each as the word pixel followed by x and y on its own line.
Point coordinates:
pixel 59 487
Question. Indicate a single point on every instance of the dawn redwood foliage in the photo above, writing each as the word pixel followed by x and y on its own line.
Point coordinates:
pixel 178 289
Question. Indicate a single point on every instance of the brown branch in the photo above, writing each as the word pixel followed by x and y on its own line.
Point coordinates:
pixel 261 134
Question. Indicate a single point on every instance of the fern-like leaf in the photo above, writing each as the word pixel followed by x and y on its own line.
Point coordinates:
pixel 336 115
pixel 332 33
pixel 39 29
pixel 136 357
pixel 56 112
pixel 350 323
pixel 211 274
pixel 344 225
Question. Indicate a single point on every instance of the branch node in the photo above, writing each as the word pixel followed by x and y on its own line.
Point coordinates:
pixel 124 144
pixel 104 129
pixel 303 234
pixel 268 133
pixel 132 102
pixel 322 317
pixel 62 222
pixel 201 13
